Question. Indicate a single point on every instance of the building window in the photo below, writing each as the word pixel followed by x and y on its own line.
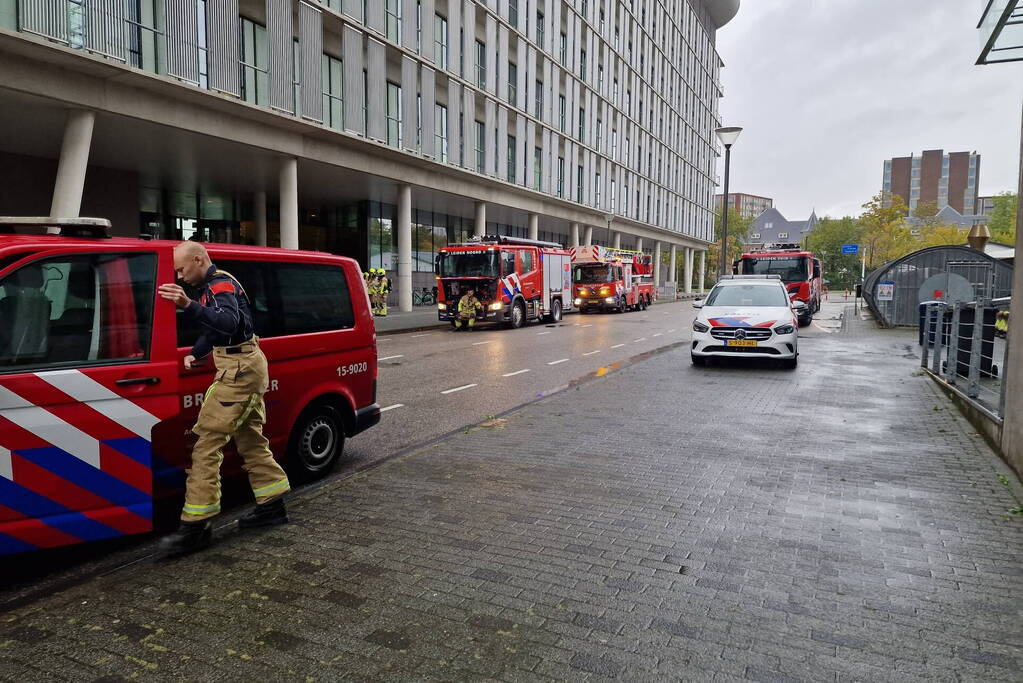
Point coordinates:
pixel 512 147
pixel 564 49
pixel 440 41
pixel 394 114
pixel 481 64
pixel 755 235
pixel 539 29
pixel 513 83
pixel 481 146
pixel 600 125
pixel 538 105
pixel 614 197
pixel 255 60
pixel 582 124
pixel 768 226
pixel 333 87
pixel 614 143
pixel 537 167
pixel 582 65
pixel 394 20
pixel 513 12
pixel 596 190
pixel 579 183
pixel 440 131
pixel 561 113
pixel 561 176
pixel 600 79
pixel 783 235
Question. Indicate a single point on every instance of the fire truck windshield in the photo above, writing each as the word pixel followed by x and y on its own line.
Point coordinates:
pixel 467 264
pixel 790 268
pixel 601 273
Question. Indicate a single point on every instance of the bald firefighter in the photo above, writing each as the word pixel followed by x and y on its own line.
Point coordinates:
pixel 233 406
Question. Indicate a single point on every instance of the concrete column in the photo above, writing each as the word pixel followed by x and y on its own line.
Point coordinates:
pixel 639 244
pixel 259 203
pixel 74 159
pixel 657 265
pixel 289 203
pixel 703 269
pixel 618 240
pixel 405 248
pixel 588 235
pixel 534 226
pixel 481 219
pixel 1012 427
pixel 574 235
pixel 672 262
pixel 688 289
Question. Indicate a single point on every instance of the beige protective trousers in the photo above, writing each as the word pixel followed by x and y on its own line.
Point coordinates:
pixel 233 408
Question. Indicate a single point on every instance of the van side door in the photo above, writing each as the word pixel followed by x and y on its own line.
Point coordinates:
pixel 86 374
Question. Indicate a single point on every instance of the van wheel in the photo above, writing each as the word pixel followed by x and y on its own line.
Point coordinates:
pixel 518 316
pixel 316 443
pixel 555 315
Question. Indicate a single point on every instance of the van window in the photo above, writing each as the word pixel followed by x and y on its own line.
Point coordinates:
pixel 527 260
pixel 314 298
pixel 75 309
pixel 252 277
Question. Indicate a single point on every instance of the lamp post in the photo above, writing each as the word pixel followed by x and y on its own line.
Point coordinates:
pixel 608 217
pixel 727 136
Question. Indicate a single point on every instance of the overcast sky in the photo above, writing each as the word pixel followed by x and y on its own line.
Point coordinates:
pixel 826 90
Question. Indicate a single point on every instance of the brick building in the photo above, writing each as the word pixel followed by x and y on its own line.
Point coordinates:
pixel 950 179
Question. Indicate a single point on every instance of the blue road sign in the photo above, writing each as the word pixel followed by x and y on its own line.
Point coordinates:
pixel 850 248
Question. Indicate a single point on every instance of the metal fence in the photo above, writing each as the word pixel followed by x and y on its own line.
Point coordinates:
pixel 964 344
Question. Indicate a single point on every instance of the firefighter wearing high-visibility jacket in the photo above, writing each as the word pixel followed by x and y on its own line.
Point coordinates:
pixel 233 406
pixel 1002 323
pixel 468 306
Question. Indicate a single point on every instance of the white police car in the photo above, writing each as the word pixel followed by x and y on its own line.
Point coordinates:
pixel 747 316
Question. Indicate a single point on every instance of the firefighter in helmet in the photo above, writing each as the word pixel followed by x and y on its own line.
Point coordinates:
pixel 468 306
pixel 1002 323
pixel 385 290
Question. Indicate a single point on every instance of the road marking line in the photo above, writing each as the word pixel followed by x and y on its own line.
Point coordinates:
pixel 588 325
pixel 539 334
pixel 389 357
pixel 639 340
pixel 592 352
pixel 484 342
pixel 467 386
pixel 658 334
pixel 517 372
pixel 555 362
pixel 822 329
pixel 617 346
pixel 396 405
pixel 421 335
pixel 665 313
pixel 671 330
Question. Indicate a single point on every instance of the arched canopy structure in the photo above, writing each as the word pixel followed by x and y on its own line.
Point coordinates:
pixel 948 273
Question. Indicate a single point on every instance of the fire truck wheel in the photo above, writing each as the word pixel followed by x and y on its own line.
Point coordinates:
pixel 555 315
pixel 643 303
pixel 316 443
pixel 518 316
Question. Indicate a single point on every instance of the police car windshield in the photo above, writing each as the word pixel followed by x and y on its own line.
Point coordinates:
pixel 791 269
pixel 748 295
pixel 593 274
pixel 468 264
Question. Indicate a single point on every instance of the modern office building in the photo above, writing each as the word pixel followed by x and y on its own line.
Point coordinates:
pixel 746 205
pixel 380 130
pixel 951 179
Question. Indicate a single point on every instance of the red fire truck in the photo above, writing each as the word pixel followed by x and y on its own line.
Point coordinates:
pixel 798 269
pixel 516 280
pixel 611 279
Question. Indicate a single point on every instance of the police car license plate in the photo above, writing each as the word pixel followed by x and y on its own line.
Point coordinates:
pixel 741 342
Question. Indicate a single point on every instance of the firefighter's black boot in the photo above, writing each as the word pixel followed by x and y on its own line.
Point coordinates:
pixel 190 537
pixel 267 514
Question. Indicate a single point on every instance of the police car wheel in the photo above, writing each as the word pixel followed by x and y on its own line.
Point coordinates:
pixel 316 442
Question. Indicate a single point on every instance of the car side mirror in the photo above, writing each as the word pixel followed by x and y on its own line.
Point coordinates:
pixel 798 305
pixel 698 303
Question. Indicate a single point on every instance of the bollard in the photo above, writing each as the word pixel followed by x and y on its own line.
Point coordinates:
pixel 952 366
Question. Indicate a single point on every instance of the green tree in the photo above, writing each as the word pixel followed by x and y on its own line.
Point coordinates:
pixel 885 233
pixel 826 240
pixel 1002 222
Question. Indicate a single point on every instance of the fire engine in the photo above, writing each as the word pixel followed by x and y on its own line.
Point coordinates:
pixel 516 280
pixel 611 279
pixel 798 269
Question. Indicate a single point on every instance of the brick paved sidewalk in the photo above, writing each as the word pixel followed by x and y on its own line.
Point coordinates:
pixel 837 522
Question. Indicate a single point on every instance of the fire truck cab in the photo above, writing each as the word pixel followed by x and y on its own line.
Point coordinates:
pixel 516 280
pixel 611 279
pixel 96 405
pixel 798 269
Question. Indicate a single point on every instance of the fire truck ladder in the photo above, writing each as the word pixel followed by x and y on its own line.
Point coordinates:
pixel 501 239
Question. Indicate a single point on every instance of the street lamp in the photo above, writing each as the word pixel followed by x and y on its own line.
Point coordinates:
pixel 727 136
pixel 608 217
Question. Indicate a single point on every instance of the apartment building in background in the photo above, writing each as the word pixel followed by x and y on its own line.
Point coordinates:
pixel 944 179
pixel 746 205
pixel 379 130
pixel 771 227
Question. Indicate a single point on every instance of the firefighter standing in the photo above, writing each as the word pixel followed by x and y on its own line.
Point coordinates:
pixel 385 290
pixel 468 305
pixel 1002 323
pixel 233 406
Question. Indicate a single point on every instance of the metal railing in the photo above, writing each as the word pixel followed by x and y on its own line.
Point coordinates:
pixel 964 344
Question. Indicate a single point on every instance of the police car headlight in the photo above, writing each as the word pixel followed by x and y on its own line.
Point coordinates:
pixel 784 329
pixel 609 300
pixel 496 306
pixel 441 306
pixel 578 302
pixel 699 327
